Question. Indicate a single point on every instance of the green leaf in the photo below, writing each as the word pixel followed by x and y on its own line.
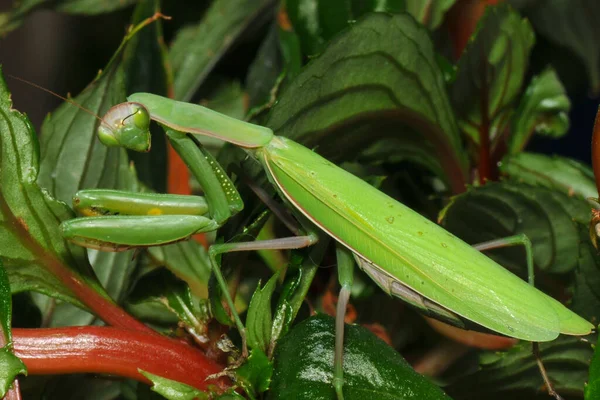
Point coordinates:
pixel 340 106
pixel 72 156
pixel 492 69
pixel 254 376
pixel 592 389
pixel 284 312
pixel 189 261
pixel 198 48
pixel 5 307
pixel 10 367
pixel 145 64
pixel 92 7
pixel 31 243
pixel 317 21
pixel 12 19
pixel 259 321
pixel 586 283
pixel 571 24
pixel 173 390
pixel 429 12
pixel 162 287
pixel 566 360
pixel 265 70
pixel 278 62
pixel 228 99
pixel 503 209
pixel 543 109
pixel 559 173
pixel 372 369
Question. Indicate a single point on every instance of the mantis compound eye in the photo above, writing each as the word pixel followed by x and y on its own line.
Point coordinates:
pixel 126 125
pixel 141 118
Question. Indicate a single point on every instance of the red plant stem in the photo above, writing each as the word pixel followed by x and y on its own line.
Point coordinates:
pixel 596 151
pixel 107 350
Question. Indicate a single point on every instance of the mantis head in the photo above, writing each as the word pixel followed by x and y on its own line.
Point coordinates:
pixel 126 125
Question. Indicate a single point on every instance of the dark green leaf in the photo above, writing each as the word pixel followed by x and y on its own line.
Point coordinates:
pixel 372 369
pixel 338 104
pixel 145 64
pixel 189 261
pixel 265 70
pixel 586 286
pixel 571 24
pixel 566 360
pixel 564 174
pixel 543 109
pixel 259 320
pixel 429 12
pixel 31 239
pixel 284 312
pixel 10 367
pixel 12 19
pixel 162 287
pixel 173 390
pixel 229 99
pixel 592 389
pixel 504 209
pixel 317 21
pixel 278 62
pixel 198 48
pixel 92 7
pixel 254 376
pixel 72 156
pixel 5 307
pixel 492 68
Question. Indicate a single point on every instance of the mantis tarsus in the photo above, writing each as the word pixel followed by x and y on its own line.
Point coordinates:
pixel 406 254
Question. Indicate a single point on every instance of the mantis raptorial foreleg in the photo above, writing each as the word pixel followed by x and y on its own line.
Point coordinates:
pixel 523 240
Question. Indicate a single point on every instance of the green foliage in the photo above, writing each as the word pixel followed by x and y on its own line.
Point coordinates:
pixel 491 70
pixel 172 390
pixel 259 321
pixel 304 366
pixel 592 390
pixel 368 84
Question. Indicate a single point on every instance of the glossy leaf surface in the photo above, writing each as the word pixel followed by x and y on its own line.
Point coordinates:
pixel 304 366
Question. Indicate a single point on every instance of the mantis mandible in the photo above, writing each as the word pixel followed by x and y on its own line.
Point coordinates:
pixel 407 255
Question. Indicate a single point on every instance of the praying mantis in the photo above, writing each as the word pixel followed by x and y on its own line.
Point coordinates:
pixel 407 255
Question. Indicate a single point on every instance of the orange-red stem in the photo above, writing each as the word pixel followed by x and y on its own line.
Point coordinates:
pixel 107 350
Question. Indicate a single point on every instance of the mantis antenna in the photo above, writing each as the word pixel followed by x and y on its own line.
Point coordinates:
pixel 61 97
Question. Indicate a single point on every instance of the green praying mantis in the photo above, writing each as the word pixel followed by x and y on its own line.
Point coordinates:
pixel 407 255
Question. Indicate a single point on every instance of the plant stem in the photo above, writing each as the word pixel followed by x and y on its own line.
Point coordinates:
pixel 107 350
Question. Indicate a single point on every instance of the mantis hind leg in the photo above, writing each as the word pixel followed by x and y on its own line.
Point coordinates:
pixel 346 277
pixel 523 240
